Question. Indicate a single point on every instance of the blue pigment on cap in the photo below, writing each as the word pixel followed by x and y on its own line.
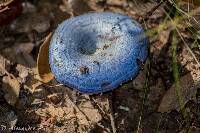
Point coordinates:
pixel 96 52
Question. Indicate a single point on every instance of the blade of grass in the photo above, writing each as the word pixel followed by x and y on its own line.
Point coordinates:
pixel 146 85
pixel 157 129
pixel 146 92
pixel 174 60
pixel 176 72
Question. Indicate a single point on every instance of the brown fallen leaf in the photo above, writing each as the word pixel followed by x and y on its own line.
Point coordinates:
pixel 79 7
pixel 41 24
pixel 23 72
pixel 2 65
pixel 20 54
pixel 118 3
pixel 26 47
pixel 92 113
pixel 188 89
pixel 43 67
pixel 164 37
pixel 11 88
pixel 25 59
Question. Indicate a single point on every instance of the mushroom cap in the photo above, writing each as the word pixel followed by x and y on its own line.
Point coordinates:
pixel 96 52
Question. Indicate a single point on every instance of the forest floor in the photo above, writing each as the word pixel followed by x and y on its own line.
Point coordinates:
pixel 157 100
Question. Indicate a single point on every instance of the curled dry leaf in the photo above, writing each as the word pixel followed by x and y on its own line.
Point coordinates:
pixel 43 67
pixel 188 90
pixel 11 88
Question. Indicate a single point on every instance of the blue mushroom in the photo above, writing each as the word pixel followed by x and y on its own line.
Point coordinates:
pixel 97 52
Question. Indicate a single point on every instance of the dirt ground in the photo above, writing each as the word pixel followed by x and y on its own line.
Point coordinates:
pixel 150 103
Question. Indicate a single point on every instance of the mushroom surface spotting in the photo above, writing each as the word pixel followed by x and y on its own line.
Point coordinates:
pixel 96 52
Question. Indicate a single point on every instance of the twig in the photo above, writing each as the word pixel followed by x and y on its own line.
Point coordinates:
pixel 112 120
pixel 113 123
pixel 4 9
pixel 149 13
pixel 102 112
pixel 4 4
pixel 99 107
pixel 78 110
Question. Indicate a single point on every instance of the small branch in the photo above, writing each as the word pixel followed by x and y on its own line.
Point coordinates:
pixel 113 123
pixel 149 13
pixel 4 9
pixel 4 4
pixel 112 120
pixel 100 108
pixel 78 110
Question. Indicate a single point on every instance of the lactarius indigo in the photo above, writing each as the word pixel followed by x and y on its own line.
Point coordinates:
pixel 97 52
